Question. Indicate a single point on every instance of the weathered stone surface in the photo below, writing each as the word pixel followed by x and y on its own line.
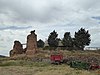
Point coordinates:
pixel 31 46
pixel 17 48
pixel 31 43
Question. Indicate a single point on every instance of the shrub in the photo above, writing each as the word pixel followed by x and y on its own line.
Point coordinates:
pixel 79 65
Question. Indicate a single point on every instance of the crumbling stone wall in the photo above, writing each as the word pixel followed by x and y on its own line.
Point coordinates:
pixel 31 46
pixel 17 48
pixel 31 43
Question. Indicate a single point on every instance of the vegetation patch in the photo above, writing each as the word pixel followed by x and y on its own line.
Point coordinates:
pixel 79 65
pixel 23 63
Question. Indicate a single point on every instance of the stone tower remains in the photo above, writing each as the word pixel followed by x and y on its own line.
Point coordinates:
pixel 31 45
pixel 17 49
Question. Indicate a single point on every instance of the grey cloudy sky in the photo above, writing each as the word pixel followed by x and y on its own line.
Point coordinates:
pixel 19 17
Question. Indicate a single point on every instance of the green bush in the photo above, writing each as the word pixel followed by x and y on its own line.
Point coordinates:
pixel 79 65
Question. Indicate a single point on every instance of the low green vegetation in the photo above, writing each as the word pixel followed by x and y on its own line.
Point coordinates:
pixel 79 65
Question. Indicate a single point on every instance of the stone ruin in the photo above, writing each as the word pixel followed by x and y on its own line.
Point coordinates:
pixel 17 48
pixel 31 43
pixel 31 46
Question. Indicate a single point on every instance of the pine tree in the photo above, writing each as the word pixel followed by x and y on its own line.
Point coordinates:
pixel 82 39
pixel 67 41
pixel 53 40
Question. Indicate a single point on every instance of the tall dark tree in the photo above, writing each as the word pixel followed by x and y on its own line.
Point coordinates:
pixel 53 40
pixel 67 41
pixel 40 43
pixel 82 39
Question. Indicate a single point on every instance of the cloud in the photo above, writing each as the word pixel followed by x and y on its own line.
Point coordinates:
pixel 19 17
pixel 7 37
pixel 34 10
pixel 97 18
pixel 15 27
pixel 46 11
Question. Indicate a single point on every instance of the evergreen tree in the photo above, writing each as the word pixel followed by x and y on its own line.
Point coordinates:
pixel 82 38
pixel 67 41
pixel 40 44
pixel 53 40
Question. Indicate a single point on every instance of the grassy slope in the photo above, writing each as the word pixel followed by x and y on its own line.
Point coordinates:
pixel 22 67
pixel 47 70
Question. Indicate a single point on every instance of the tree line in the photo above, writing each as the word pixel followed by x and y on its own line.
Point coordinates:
pixel 78 42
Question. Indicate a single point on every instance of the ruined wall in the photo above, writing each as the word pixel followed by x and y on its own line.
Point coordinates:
pixel 31 43
pixel 17 48
pixel 31 46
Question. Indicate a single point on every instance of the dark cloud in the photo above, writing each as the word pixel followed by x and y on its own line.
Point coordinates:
pixel 97 17
pixel 15 27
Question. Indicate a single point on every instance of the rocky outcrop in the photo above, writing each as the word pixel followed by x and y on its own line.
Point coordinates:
pixel 17 49
pixel 31 44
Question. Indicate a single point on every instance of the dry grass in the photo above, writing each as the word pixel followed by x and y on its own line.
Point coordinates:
pixel 47 70
pixel 23 67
